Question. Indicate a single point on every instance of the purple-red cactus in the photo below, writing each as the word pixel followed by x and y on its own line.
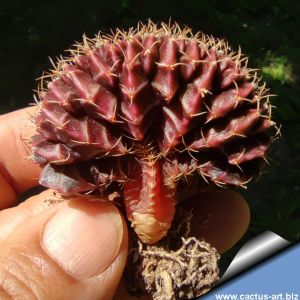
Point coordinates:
pixel 136 112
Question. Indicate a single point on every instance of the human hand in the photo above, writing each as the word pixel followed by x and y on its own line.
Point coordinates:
pixel 76 249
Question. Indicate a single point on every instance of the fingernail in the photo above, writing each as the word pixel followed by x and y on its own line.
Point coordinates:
pixel 84 240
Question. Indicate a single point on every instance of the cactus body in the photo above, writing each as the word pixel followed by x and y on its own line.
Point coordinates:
pixel 138 111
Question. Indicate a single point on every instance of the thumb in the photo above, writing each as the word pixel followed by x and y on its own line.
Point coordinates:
pixel 74 249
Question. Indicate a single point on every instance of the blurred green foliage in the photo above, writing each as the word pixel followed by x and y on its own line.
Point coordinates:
pixel 267 31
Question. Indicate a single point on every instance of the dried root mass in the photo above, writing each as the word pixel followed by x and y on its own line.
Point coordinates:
pixel 180 266
pixel 186 273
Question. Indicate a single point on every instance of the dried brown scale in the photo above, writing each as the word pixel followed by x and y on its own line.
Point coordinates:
pixel 162 104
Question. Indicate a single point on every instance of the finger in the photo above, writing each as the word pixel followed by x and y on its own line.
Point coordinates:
pixel 17 172
pixel 75 249
pixel 222 216
pixel 12 218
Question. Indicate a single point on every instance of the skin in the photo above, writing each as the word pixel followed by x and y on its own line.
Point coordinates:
pixel 27 268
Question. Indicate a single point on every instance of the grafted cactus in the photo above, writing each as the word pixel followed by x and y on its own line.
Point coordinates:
pixel 137 113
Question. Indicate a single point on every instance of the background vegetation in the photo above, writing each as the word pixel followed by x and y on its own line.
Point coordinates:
pixel 267 31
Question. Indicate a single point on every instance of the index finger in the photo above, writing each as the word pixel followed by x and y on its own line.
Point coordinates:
pixel 17 172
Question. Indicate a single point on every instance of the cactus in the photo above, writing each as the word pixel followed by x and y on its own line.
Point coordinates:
pixel 138 113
